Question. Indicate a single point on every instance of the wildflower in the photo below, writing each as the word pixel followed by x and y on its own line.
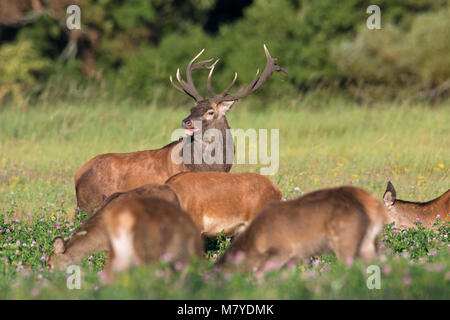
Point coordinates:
pixel 34 292
pixel 12 203
pixel 407 280
pixel 178 266
pixel 28 214
pixel 387 270
pixel 417 220
pixel 438 216
pixel 42 220
pixel 8 231
pixel 40 276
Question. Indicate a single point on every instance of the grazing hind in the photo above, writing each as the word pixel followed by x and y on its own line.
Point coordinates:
pixel 147 230
pixel 344 220
pixel 404 213
pixel 91 237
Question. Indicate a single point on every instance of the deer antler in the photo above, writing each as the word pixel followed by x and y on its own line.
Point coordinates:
pixel 189 87
pixel 271 66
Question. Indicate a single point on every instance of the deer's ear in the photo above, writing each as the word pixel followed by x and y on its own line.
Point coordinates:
pixel 224 106
pixel 58 246
pixel 390 194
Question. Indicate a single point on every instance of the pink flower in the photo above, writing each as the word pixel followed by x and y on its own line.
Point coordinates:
pixel 206 277
pixel 42 220
pixel 34 292
pixel 417 220
pixel 412 248
pixel 438 216
pixel 8 231
pixel 407 280
pixel 387 270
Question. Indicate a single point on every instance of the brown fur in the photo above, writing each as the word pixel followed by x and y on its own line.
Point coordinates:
pixel 404 213
pixel 119 172
pixel 344 220
pixel 220 201
pixel 91 237
pixel 142 230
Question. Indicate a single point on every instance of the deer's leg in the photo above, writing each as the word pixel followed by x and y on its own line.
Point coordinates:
pixel 345 236
pixel 368 249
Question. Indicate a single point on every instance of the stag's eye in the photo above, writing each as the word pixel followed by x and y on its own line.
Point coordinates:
pixel 210 113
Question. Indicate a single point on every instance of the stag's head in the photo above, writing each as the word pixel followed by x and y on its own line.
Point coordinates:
pixel 211 111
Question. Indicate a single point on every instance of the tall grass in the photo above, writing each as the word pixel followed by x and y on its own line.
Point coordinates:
pixel 42 146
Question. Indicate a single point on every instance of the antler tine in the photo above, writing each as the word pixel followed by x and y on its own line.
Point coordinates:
pixel 208 82
pixel 271 66
pixel 177 87
pixel 189 87
pixel 224 92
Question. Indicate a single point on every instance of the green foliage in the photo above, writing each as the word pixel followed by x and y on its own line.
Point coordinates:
pixel 418 58
pixel 19 63
pixel 323 44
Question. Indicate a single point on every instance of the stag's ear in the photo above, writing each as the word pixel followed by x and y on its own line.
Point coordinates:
pixel 58 246
pixel 224 106
pixel 389 195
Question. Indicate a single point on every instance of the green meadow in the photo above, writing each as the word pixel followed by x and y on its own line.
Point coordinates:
pixel 333 144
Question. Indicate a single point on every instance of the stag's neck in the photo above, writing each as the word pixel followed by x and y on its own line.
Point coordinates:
pixel 209 146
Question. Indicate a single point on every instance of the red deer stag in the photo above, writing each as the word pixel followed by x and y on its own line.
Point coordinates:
pixel 219 201
pixel 91 237
pixel 117 172
pixel 405 213
pixel 344 220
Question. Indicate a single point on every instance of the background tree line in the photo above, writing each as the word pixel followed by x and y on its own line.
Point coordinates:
pixel 127 49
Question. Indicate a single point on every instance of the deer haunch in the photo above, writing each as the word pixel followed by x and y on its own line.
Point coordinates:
pixel 144 230
pixel 344 220
pixel 220 201
pixel 405 213
pixel 114 172
pixel 91 237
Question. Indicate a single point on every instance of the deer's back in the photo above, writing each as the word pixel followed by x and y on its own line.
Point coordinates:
pixel 220 193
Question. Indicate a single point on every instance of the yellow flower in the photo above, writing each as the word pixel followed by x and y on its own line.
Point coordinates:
pixel 354 176
pixel 441 165
pixel 53 218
